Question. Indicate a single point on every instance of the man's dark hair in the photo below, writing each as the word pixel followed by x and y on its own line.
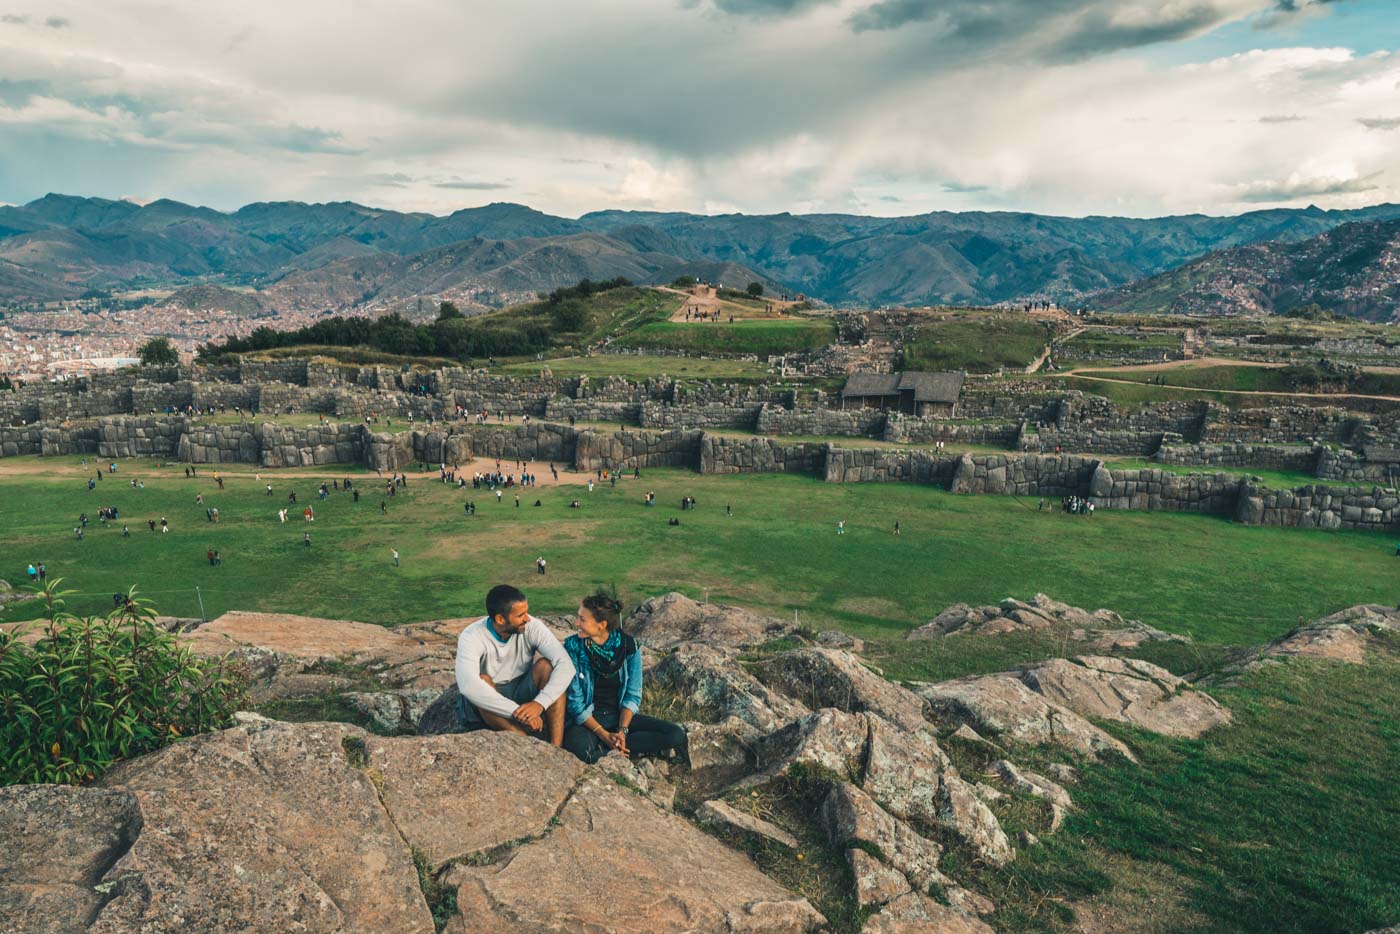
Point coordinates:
pixel 501 598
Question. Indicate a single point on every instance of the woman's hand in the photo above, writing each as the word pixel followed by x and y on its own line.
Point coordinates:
pixel 618 741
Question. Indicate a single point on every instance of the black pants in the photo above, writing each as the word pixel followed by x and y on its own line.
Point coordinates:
pixel 647 736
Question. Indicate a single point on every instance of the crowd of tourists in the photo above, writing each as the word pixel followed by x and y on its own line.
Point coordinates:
pixel 584 694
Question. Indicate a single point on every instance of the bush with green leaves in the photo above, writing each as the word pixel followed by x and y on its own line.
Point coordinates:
pixel 88 692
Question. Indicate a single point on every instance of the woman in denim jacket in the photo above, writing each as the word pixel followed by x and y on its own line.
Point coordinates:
pixel 605 697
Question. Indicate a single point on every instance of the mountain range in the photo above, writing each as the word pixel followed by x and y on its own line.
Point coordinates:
pixel 1352 270
pixel 332 255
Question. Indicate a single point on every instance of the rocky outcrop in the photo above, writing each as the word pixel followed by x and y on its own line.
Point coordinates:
pixel 1344 636
pixel 678 879
pixel 1002 706
pixel 673 618
pixel 1128 691
pixel 1104 629
pixel 710 679
pixel 918 914
pixel 833 678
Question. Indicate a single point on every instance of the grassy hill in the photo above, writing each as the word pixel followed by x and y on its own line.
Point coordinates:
pixel 976 342
pixel 215 298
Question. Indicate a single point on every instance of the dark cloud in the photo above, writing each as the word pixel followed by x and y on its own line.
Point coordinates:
pixel 1284 11
pixel 1380 123
pixel 1083 27
pixel 954 188
pixel 892 199
pixel 57 22
pixel 18 93
pixel 767 8
pixel 13 19
pixel 1280 118
pixel 1273 191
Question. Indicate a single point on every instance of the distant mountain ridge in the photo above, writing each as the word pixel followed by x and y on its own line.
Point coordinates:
pixel 1352 270
pixel 60 246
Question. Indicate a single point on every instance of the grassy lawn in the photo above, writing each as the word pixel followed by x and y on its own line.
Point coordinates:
pixel 778 552
pixel 631 367
pixel 1247 379
pixel 759 337
pixel 1272 823
pixel 977 343
pixel 1275 479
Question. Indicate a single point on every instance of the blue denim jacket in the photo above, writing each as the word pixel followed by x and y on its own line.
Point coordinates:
pixel 579 697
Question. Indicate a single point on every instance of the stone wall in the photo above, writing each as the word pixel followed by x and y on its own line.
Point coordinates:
pixel 561 409
pixel 1281 425
pixel 1122 442
pixel 705 415
pixel 1010 403
pixel 1354 468
pixel 1321 507
pixel 721 455
pixel 1024 475
pixel 1261 456
pixel 776 420
pixel 887 465
pixel 287 370
pixel 311 445
pixel 16 440
pixel 627 449
pixel 222 444
pixel 929 430
pixel 139 436
pixel 1164 491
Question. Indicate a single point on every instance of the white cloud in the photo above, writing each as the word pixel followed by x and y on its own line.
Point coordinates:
pixel 642 104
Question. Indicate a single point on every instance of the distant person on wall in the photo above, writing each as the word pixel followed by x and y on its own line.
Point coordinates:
pixel 501 684
pixel 605 697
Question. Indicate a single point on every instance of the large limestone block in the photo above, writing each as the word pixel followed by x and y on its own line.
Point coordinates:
pixel 677 877
pixel 715 681
pixel 832 678
pixel 262 827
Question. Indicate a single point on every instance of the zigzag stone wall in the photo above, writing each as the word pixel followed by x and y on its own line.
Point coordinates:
pixel 721 455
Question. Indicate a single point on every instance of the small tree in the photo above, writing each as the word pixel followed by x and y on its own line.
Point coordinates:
pixel 755 290
pixel 447 311
pixel 158 352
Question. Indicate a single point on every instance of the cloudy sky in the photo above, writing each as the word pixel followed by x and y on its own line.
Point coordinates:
pixel 1131 107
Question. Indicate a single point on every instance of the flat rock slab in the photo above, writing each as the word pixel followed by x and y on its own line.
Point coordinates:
pixel 1003 706
pixel 1128 691
pixel 261 827
pixel 461 794
pixel 59 841
pixel 918 914
pixel 718 814
pixel 672 877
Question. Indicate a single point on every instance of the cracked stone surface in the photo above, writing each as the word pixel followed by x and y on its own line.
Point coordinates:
pixel 711 679
pixel 918 914
pixel 260 827
pixel 59 841
pixel 673 618
pixel 678 878
pixel 457 795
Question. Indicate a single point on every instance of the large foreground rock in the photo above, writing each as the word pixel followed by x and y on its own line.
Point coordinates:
pixel 665 874
pixel 1128 691
pixel 265 827
pixel 833 678
pixel 1102 629
pixel 673 618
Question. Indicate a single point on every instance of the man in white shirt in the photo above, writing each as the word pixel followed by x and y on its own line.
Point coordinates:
pixel 502 684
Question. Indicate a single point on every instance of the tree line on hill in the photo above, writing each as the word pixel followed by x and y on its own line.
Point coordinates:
pixel 451 335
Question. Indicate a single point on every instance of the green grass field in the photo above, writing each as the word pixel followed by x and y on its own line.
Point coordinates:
pixel 1248 379
pixel 976 342
pixel 778 553
pixel 760 337
pixel 642 367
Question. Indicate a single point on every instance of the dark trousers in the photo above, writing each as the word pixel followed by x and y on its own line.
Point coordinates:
pixel 647 736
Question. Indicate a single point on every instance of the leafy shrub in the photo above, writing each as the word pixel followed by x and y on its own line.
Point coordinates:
pixel 91 691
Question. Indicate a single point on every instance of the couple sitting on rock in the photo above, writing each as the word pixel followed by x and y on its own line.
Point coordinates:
pixel 513 675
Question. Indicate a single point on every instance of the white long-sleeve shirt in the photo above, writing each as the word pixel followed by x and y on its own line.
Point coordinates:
pixel 479 653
